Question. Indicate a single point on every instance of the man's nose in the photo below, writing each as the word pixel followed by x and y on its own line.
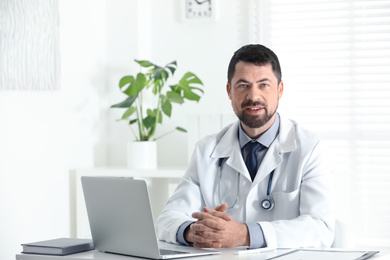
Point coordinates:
pixel 254 93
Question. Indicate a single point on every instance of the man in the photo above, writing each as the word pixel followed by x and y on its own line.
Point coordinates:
pixel 262 181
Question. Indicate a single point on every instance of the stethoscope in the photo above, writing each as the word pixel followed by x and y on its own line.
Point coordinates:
pixel 267 204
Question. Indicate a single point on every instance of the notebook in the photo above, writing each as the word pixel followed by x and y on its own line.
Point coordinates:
pixel 121 220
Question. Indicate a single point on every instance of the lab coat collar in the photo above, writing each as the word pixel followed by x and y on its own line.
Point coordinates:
pixel 286 141
pixel 229 147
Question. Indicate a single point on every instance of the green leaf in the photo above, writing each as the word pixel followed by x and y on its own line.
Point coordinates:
pixel 159 116
pixel 126 103
pixel 163 73
pixel 150 112
pixel 175 97
pixel 190 78
pixel 151 131
pixel 160 73
pixel 181 129
pixel 129 112
pixel 157 86
pixel 139 84
pixel 145 63
pixel 149 121
pixel 125 80
pixel 153 114
pixel 166 107
pixel 134 85
pixel 172 66
pixel 191 95
pixel 133 121
pixel 185 84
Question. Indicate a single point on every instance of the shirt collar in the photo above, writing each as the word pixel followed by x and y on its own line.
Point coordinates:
pixel 265 139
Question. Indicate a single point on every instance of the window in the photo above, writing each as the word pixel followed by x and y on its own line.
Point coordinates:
pixel 335 58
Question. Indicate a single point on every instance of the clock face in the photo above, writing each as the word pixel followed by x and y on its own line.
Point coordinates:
pixel 196 9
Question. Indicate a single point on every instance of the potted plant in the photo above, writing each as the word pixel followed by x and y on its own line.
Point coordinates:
pixel 153 79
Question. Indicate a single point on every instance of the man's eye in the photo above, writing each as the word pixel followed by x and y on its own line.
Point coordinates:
pixel 243 86
pixel 264 85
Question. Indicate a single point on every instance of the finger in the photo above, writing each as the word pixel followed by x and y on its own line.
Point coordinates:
pixel 209 219
pixel 211 236
pixel 198 227
pixel 222 208
pixel 206 209
pixel 208 245
pixel 222 215
pixel 211 214
pixel 206 232
pixel 204 215
pixel 208 224
pixel 205 237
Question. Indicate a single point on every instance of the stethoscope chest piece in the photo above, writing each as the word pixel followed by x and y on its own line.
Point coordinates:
pixel 268 203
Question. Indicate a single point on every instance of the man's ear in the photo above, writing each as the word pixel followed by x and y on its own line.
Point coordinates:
pixel 229 90
pixel 280 89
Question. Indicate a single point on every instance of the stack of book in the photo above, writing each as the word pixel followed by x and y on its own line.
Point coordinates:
pixel 59 246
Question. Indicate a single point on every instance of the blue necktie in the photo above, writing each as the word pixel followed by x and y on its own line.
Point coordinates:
pixel 251 160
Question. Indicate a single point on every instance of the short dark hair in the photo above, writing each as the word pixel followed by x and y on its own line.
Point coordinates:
pixel 256 54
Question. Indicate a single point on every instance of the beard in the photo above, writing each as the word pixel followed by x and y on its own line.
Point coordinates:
pixel 256 121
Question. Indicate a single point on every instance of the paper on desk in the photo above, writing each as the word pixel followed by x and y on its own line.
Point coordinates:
pixel 304 254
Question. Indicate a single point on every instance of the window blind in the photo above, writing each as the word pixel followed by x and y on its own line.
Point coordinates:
pixel 335 58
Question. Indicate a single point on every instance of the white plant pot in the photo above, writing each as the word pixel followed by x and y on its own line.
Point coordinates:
pixel 142 155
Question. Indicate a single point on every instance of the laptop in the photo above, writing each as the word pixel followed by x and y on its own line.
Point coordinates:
pixel 121 220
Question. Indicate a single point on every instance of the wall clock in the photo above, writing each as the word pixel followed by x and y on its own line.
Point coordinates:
pixel 200 10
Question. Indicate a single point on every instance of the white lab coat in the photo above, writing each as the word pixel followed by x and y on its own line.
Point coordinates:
pixel 302 185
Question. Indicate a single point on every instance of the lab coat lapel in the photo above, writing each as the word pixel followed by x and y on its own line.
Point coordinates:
pixel 284 143
pixel 271 160
pixel 229 147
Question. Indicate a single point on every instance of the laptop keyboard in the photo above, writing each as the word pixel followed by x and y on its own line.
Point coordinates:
pixel 171 252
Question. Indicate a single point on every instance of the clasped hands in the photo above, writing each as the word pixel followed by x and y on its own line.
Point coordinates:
pixel 215 228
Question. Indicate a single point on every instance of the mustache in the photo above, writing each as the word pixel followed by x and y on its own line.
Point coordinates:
pixel 250 102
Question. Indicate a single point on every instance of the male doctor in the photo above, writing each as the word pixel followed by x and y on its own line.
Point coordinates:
pixel 261 181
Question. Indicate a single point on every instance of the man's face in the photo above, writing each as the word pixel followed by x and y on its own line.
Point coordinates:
pixel 254 93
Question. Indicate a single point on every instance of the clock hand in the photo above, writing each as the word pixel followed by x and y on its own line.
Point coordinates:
pixel 201 2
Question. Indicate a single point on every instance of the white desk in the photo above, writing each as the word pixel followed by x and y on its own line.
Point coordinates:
pixel 161 182
pixel 96 255
pixel 226 254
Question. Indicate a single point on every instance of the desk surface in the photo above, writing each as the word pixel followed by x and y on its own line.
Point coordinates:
pixel 226 254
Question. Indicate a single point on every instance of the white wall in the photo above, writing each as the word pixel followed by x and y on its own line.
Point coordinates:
pixel 44 134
